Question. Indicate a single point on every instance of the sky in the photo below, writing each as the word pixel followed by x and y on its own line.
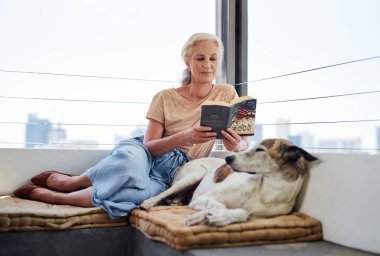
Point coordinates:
pixel 142 39
pixel 301 35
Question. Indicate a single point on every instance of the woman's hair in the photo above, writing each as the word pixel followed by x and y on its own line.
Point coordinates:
pixel 193 40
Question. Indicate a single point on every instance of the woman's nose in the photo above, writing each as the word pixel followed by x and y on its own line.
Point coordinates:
pixel 207 64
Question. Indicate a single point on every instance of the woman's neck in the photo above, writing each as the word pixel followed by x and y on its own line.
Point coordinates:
pixel 197 91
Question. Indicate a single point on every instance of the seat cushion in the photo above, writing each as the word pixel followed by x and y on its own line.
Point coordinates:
pixel 167 224
pixel 25 215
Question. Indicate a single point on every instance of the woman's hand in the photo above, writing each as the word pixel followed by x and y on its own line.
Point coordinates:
pixel 159 145
pixel 233 141
pixel 198 134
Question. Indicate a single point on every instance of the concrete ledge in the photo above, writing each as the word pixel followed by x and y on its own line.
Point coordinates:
pixel 114 241
pixel 143 246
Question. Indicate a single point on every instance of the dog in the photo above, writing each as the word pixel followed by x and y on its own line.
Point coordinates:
pixel 263 181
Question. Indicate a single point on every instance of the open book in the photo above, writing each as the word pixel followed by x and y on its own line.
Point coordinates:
pixel 239 114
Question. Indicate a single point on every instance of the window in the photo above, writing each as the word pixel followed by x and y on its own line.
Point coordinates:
pixel 292 36
pixel 102 62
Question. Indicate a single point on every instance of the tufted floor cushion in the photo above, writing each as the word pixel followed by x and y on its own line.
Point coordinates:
pixel 26 215
pixel 167 224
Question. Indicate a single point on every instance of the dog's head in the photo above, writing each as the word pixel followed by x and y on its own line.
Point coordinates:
pixel 273 156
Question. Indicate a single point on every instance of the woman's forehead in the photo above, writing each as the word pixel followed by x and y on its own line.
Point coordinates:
pixel 205 47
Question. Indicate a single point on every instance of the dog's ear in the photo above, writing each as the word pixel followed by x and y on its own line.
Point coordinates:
pixel 309 157
pixel 293 153
pixel 222 172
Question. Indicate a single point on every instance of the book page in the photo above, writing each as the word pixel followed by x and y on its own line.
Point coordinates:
pixel 216 102
pixel 244 116
pixel 240 99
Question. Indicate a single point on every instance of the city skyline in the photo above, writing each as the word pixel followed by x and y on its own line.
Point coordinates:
pixel 54 135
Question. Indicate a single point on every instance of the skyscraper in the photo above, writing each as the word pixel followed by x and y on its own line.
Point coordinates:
pixel 37 131
pixel 282 129
pixel 57 134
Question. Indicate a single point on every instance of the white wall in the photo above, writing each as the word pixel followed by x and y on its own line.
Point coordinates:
pixel 17 166
pixel 342 192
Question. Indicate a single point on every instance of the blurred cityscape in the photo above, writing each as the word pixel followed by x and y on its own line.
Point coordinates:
pixel 41 133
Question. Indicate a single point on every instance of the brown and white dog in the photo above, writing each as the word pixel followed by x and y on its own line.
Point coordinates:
pixel 261 182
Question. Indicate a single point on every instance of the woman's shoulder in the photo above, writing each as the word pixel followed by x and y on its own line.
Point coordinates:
pixel 166 92
pixel 224 87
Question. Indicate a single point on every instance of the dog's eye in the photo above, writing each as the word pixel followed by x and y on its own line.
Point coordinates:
pixel 259 149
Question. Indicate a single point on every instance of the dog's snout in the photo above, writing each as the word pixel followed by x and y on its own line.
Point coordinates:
pixel 229 159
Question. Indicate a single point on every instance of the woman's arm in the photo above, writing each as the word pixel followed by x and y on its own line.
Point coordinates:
pixel 159 145
pixel 234 142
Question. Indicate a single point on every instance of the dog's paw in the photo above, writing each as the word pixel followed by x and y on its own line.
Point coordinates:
pixel 148 204
pixel 197 218
pixel 217 218
pixel 205 203
pixel 222 217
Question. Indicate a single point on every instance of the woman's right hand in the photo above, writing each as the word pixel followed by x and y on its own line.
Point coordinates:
pixel 198 134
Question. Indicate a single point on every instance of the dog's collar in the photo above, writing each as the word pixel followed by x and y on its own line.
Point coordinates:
pixel 242 171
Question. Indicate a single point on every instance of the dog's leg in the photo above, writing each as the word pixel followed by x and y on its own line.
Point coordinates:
pixel 217 217
pixel 197 218
pixel 205 205
pixel 182 184
pixel 222 217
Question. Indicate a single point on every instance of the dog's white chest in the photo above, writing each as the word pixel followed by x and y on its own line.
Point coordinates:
pixel 232 192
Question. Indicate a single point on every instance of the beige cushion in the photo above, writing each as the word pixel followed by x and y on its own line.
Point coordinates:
pixel 26 215
pixel 167 224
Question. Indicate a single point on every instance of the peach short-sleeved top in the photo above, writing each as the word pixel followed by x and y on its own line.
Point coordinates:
pixel 177 113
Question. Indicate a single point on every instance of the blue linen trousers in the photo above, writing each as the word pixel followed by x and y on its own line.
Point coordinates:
pixel 130 174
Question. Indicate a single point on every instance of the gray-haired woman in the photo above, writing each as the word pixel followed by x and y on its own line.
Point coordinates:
pixel 142 167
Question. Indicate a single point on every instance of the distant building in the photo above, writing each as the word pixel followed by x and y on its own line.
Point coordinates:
pixel 307 140
pixel 303 139
pixel 282 129
pixel 57 134
pixel 258 134
pixel 340 145
pixel 296 139
pixel 37 131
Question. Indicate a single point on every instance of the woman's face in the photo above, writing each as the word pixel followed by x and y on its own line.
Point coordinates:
pixel 203 61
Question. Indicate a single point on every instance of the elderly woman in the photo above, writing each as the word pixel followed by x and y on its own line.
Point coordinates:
pixel 142 167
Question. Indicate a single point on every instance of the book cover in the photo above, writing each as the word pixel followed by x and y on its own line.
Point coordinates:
pixel 239 114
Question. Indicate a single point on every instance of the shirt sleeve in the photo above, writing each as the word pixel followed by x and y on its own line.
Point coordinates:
pixel 156 109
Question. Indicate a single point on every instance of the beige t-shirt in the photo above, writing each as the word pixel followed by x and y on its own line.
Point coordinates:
pixel 177 113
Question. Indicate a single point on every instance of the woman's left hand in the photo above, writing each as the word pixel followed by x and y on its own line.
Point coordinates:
pixel 233 141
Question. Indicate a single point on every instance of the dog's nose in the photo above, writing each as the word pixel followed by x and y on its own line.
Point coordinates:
pixel 229 159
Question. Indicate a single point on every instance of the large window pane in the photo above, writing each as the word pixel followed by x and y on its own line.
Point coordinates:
pixel 295 35
pixel 130 39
